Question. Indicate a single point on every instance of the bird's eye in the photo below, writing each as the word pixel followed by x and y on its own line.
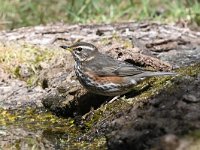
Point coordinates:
pixel 79 49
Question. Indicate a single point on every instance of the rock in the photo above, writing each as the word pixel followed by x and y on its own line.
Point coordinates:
pixel 190 98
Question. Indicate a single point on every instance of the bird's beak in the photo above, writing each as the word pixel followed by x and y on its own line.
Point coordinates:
pixel 66 48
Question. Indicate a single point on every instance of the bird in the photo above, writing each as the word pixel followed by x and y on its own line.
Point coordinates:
pixel 102 74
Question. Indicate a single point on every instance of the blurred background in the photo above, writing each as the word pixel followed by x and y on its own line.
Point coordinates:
pixel 20 13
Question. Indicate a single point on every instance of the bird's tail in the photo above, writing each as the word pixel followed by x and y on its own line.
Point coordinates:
pixel 151 74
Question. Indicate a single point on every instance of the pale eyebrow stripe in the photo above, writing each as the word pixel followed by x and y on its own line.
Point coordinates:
pixel 86 47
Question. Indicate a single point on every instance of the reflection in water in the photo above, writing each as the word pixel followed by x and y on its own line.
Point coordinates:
pixel 32 129
pixel 18 138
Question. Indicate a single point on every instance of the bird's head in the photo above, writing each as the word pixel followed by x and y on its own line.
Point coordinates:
pixel 82 51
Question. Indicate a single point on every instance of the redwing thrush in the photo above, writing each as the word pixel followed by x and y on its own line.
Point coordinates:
pixel 104 75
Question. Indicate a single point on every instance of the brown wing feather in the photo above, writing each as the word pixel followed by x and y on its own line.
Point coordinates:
pixel 103 65
pixel 103 79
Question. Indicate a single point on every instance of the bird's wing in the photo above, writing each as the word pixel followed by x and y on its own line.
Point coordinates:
pixel 104 65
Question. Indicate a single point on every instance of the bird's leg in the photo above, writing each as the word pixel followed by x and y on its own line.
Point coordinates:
pixel 109 102
pixel 114 98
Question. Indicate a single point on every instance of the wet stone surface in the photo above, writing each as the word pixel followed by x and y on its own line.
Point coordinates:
pixel 17 94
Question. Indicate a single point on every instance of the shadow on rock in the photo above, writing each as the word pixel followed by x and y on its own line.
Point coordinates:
pixel 71 104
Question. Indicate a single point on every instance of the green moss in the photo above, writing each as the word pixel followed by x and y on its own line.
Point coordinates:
pixel 16 58
pixel 16 71
pixel 53 127
pixel 98 143
pixel 192 70
pixel 194 134
pixel 32 80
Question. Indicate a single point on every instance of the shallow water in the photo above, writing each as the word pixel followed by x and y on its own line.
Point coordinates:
pixel 38 129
